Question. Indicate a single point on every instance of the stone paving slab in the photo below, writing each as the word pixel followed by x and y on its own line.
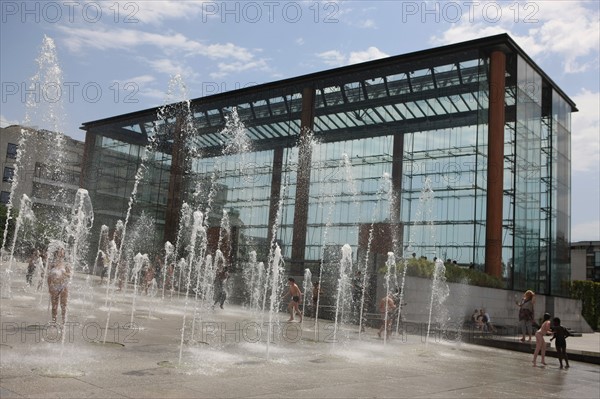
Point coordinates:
pixel 143 360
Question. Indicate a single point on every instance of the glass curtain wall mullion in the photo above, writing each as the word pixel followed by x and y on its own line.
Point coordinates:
pixel 439 101
pixel 212 139
pixel 272 129
pixel 367 113
pixel 398 111
pixel 269 107
pixel 383 119
pixel 410 111
pixel 326 119
pixel 258 130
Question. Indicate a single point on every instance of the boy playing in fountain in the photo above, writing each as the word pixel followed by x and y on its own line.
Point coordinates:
pixel 295 294
pixel 386 310
pixel 561 334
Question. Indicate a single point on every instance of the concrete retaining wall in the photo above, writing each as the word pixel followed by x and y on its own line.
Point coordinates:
pixel 500 304
pixel 462 301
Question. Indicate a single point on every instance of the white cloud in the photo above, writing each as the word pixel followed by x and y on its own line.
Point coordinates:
pixel 156 11
pixel 337 58
pixel 569 29
pixel 154 94
pixel 372 53
pixel 300 41
pixel 79 39
pixel 585 131
pixel 169 67
pixel 236 67
pixel 367 24
pixel 332 57
pixel 139 80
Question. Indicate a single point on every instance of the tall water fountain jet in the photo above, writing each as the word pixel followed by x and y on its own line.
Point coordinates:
pixel 140 262
pixel 252 276
pixel 185 224
pixel 273 248
pixel 113 258
pixel 422 215
pixel 43 110
pixel 307 290
pixel 225 230
pixel 276 267
pixel 82 220
pixel 249 277
pixel 348 176
pixel 331 202
pixel 206 288
pixel 343 293
pixel 197 227
pixel 235 135
pixel 439 293
pixel 101 253
pixel 169 250
pixel 202 271
pixel 365 274
pixel 77 233
pixel 390 266
pixel 25 213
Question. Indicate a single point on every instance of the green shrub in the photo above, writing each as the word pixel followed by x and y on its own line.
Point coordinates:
pixel 589 294
pixel 454 274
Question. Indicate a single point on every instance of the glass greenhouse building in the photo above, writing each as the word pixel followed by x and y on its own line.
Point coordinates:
pixel 460 152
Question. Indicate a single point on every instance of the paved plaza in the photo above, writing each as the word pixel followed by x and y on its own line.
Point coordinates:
pixel 228 356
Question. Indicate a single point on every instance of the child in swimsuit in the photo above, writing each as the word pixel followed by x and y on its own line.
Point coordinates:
pixel 560 334
pixel 295 294
pixel 540 343
pixel 59 277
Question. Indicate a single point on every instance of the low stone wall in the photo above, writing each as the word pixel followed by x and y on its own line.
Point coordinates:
pixel 462 301
pixel 500 304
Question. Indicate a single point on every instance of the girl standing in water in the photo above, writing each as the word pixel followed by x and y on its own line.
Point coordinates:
pixel 540 343
pixel 59 277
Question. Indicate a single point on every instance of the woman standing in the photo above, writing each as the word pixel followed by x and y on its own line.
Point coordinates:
pixel 540 343
pixel 526 314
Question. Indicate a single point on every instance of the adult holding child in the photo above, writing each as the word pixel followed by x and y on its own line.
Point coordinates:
pixel 526 314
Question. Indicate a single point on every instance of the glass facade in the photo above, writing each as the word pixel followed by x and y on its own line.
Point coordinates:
pixel 396 158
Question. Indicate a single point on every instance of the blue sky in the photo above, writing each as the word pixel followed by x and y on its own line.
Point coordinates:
pixel 118 56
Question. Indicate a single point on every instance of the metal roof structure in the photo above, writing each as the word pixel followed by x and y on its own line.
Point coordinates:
pixel 424 90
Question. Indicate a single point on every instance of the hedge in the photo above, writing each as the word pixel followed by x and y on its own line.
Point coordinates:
pixel 589 294
pixel 454 274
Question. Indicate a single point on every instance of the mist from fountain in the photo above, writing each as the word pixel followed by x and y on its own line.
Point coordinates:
pixel 185 223
pixel 390 268
pixel 344 290
pixel 101 253
pixel 46 109
pixel 365 268
pixel 197 228
pixel 169 251
pixel 140 262
pixel 307 291
pixel 439 293
pixel 25 214
pixel 276 268
pixel 331 202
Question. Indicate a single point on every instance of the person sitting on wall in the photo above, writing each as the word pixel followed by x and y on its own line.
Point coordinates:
pixel 474 317
pixel 487 322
